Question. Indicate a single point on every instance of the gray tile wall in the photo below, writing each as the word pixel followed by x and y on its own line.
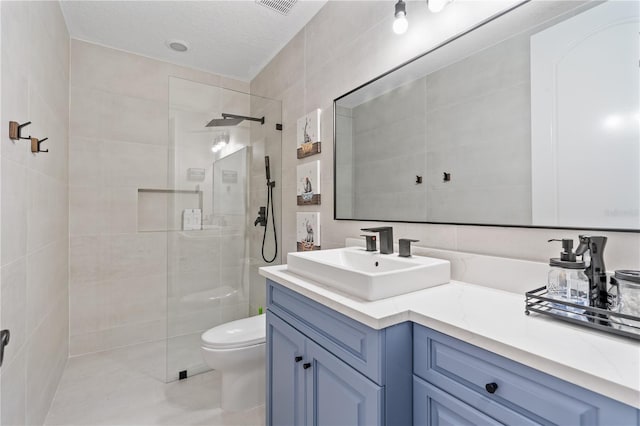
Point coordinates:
pixel 34 209
pixel 390 142
pixel 469 119
pixel 478 129
pixel 265 140
pixel 344 162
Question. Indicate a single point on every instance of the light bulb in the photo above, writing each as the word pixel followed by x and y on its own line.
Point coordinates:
pixel 436 6
pixel 400 24
pixel 217 147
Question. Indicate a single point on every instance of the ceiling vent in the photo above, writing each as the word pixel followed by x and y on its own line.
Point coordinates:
pixel 281 6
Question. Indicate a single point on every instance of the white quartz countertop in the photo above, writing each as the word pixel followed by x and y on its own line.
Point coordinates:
pixel 494 320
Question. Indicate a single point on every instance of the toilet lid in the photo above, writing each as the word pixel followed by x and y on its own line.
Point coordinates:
pixel 236 334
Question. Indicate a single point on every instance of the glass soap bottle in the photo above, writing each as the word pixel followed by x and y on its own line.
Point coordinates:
pixel 567 282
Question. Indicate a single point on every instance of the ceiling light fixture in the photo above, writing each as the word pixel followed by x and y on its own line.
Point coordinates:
pixel 177 45
pixel 400 24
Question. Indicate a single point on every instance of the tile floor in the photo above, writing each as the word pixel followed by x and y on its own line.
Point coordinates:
pixel 126 387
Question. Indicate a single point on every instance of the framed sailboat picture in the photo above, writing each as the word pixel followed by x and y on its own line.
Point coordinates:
pixel 308 134
pixel 308 231
pixel 308 185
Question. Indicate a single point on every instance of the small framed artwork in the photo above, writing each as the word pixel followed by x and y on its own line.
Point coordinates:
pixel 308 191
pixel 308 134
pixel 308 231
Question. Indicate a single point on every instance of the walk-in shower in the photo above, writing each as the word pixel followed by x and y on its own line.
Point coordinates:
pixel 212 264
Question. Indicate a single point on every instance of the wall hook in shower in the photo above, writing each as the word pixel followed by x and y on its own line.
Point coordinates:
pixel 5 336
pixel 35 145
pixel 15 130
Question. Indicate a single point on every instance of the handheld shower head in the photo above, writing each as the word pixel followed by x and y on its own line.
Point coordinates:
pixel 263 218
pixel 267 168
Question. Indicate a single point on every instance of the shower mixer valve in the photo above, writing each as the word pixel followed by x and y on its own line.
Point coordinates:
pixel 262 217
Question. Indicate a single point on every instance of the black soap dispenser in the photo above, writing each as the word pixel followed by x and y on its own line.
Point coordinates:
pixel 596 272
pixel 567 281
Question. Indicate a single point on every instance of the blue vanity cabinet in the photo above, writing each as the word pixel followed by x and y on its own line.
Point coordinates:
pixel 324 368
pixel 456 380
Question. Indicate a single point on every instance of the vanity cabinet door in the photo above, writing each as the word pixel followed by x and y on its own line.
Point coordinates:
pixel 339 395
pixel 307 385
pixel 285 373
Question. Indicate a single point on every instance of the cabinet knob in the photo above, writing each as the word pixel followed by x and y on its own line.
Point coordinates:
pixel 298 358
pixel 491 387
pixel 306 365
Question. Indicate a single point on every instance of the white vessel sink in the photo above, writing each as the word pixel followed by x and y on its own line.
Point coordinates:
pixel 369 275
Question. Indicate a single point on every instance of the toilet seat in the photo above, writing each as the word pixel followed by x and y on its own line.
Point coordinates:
pixel 241 333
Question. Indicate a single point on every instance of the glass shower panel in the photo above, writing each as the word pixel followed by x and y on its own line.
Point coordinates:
pixel 209 215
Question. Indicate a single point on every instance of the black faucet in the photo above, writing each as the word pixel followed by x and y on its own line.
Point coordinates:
pixel 596 271
pixel 371 242
pixel 404 247
pixel 262 217
pixel 386 238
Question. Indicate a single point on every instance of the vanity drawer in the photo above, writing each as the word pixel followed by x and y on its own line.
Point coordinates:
pixel 453 365
pixel 355 343
pixel 432 406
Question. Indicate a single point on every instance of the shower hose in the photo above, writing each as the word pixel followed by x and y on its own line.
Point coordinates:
pixel 270 186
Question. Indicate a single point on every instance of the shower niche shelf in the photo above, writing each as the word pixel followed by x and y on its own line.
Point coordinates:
pixel 160 210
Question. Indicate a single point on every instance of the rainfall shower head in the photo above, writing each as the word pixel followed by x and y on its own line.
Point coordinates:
pixel 232 120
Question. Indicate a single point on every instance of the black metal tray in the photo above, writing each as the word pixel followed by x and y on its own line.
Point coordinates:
pixel 595 318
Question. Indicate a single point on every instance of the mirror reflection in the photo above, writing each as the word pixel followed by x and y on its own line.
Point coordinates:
pixel 532 119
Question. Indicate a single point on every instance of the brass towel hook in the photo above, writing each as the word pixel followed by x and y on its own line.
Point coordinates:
pixel 15 130
pixel 35 145
pixel 15 133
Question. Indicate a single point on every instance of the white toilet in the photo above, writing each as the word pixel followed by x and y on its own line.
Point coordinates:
pixel 237 350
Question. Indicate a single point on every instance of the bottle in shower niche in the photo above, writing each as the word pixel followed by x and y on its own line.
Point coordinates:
pixel 567 282
pixel 197 219
pixel 188 220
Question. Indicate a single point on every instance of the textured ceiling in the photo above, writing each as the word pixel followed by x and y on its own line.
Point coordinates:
pixel 232 38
